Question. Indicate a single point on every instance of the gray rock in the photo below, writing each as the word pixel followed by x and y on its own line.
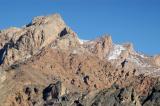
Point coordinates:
pixel 153 99
pixel 51 94
pixel 115 96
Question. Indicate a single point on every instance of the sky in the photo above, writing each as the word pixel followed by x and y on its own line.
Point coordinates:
pixel 136 21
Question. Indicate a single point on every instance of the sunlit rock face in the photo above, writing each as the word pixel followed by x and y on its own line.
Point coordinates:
pixel 19 44
pixel 157 60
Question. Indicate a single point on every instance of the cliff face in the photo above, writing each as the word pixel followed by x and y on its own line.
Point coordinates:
pixel 45 63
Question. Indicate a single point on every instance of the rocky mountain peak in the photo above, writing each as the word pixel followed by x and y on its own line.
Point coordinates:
pixel 42 20
pixel 18 44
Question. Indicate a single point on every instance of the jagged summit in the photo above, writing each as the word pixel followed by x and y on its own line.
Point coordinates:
pixel 45 62
pixel 20 43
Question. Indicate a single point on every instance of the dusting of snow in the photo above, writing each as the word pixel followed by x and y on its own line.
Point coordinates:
pixel 138 61
pixel 115 53
pixel 140 54
pixel 143 56
pixel 155 73
pixel 82 41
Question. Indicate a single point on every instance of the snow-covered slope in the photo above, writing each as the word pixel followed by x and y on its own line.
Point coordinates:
pixel 116 51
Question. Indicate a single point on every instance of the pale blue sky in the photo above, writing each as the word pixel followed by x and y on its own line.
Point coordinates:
pixel 136 21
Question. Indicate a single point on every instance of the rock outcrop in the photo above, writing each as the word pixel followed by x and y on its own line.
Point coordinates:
pixel 100 46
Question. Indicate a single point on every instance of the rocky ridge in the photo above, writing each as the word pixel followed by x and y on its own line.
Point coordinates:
pixel 45 63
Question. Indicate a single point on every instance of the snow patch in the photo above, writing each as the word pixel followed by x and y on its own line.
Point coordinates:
pixel 115 53
pixel 138 62
pixel 82 41
pixel 140 54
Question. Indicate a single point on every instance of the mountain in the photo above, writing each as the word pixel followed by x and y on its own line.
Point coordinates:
pixel 44 63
